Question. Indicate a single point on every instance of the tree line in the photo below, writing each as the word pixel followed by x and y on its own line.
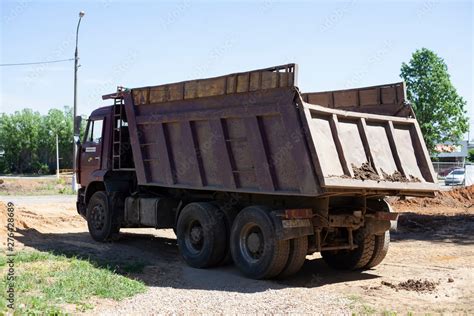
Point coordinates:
pixel 28 141
pixel 28 138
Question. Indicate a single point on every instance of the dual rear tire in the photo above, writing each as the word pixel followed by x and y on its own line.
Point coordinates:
pixel 201 234
pixel 204 239
pixel 370 252
pixel 255 250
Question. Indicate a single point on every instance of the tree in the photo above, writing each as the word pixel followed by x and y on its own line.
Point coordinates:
pixel 60 123
pixel 19 137
pixel 29 140
pixel 438 107
pixel 470 156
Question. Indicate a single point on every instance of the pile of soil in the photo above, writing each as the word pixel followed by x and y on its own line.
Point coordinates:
pixel 365 172
pixel 28 220
pixel 397 176
pixel 457 198
pixel 413 285
pixel 18 219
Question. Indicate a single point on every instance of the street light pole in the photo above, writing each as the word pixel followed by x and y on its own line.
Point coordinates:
pixel 57 156
pixel 76 66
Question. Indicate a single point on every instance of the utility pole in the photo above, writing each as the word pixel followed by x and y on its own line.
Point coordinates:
pixel 76 66
pixel 57 156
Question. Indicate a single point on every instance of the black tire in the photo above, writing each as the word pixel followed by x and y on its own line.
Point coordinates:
pixel 352 259
pixel 254 246
pixel 102 218
pixel 382 243
pixel 200 230
pixel 296 257
pixel 229 214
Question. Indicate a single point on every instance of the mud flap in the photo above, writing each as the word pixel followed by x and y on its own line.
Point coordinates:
pixel 376 227
pixel 286 229
pixel 393 222
pixel 380 222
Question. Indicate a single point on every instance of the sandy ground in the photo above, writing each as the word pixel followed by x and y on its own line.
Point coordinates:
pixel 35 185
pixel 433 243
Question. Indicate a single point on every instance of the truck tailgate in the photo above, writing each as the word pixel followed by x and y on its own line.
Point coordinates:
pixel 353 150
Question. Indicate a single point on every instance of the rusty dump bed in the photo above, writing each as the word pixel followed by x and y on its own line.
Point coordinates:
pixel 254 132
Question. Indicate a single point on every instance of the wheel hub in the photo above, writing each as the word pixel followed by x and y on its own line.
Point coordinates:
pixel 253 242
pixel 194 237
pixel 196 234
pixel 98 216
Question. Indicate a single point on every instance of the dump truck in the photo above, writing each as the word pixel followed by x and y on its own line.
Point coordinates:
pixel 248 169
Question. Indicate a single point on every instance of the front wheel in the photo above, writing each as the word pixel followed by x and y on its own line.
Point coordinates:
pixel 102 219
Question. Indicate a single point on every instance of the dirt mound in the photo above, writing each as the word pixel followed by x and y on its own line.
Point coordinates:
pixel 413 285
pixel 459 197
pixel 25 219
pixel 397 176
pixel 365 172
pixel 19 222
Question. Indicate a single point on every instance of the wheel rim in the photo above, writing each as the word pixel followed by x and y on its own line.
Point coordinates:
pixel 194 237
pixel 98 217
pixel 251 242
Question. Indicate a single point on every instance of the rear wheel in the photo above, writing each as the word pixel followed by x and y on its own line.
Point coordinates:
pixel 254 246
pixel 229 214
pixel 382 243
pixel 200 230
pixel 296 257
pixel 102 219
pixel 352 259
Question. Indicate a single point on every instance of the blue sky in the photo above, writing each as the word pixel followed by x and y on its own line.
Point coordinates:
pixel 336 44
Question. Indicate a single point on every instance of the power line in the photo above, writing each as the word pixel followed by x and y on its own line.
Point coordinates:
pixel 38 62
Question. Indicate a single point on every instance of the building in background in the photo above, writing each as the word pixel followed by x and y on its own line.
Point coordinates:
pixel 449 156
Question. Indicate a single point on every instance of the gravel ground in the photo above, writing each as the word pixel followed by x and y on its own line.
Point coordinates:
pixel 254 298
pixel 432 244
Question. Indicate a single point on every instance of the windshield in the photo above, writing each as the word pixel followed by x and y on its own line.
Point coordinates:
pixel 457 172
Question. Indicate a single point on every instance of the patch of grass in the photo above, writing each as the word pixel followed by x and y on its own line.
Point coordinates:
pixel 66 190
pixel 358 306
pixel 46 281
pixel 131 267
pixel 367 310
pixel 32 256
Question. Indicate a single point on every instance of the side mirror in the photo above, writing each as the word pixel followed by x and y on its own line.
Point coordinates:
pixel 77 125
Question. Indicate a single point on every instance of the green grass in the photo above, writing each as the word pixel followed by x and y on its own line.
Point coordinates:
pixel 45 282
pixel 359 307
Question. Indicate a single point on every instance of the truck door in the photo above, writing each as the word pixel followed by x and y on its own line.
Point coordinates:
pixel 91 150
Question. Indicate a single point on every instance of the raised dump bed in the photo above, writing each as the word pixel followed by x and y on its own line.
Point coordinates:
pixel 246 168
pixel 255 132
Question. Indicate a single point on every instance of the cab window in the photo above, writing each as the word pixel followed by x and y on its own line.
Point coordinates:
pixel 94 131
